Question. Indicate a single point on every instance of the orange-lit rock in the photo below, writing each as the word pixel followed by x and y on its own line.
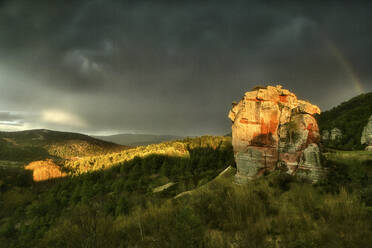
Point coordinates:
pixel 272 128
pixel 45 170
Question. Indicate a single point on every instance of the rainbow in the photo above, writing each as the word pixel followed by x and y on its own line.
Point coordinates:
pixel 346 65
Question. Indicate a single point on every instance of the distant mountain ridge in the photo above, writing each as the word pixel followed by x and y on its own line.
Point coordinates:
pixel 37 144
pixel 350 117
pixel 138 139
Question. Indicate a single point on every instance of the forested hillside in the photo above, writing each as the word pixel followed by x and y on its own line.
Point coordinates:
pixel 180 149
pixel 114 191
pixel 129 202
pixel 34 145
pixel 350 117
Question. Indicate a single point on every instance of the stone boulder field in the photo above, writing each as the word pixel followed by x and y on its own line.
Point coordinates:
pixel 273 129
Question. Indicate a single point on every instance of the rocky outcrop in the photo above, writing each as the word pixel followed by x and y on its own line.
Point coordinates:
pixel 334 135
pixel 44 170
pixel 272 128
pixel 163 188
pixel 367 135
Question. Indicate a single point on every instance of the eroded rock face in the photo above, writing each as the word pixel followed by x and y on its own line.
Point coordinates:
pixel 45 170
pixel 336 134
pixel 367 135
pixel 272 128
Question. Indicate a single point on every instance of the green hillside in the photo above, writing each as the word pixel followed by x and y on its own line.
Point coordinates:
pixel 128 199
pixel 33 145
pixel 350 117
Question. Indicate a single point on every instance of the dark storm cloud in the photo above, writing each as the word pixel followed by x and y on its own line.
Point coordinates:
pixel 7 116
pixel 174 67
pixel 11 119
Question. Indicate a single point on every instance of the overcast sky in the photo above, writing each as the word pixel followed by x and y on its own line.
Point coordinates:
pixel 172 67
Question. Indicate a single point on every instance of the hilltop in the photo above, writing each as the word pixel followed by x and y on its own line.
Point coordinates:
pixel 350 117
pixel 138 139
pixel 31 145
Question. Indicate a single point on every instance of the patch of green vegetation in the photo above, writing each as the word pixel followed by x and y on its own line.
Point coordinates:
pixel 351 170
pixel 11 152
pixel 350 117
pixel 275 211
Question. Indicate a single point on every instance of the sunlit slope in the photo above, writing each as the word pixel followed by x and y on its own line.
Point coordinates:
pixel 34 145
pixel 180 149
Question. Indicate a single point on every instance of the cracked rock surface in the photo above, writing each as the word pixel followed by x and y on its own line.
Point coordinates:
pixel 272 128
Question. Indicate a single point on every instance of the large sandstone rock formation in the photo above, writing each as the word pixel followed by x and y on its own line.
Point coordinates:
pixel 272 128
pixel 367 135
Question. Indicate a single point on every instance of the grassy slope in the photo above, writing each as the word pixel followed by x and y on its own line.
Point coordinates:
pixel 33 145
pixel 357 165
